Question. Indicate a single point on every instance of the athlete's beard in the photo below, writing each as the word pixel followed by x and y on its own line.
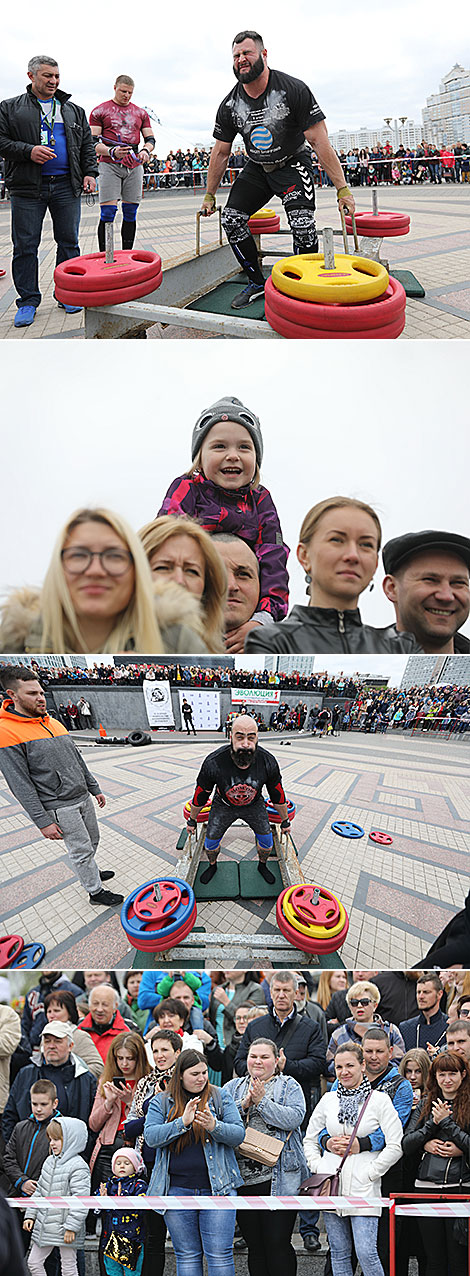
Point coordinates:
pixel 243 756
pixel 246 77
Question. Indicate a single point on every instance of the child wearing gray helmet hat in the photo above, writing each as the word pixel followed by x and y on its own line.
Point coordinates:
pixel 222 491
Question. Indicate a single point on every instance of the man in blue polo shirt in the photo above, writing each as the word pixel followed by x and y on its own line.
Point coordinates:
pixel 50 157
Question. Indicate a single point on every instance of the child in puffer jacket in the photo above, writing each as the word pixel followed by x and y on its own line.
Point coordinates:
pixel 64 1173
pixel 123 1234
pixel 223 492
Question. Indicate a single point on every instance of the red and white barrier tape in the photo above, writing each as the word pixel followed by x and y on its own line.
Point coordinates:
pixel 444 1209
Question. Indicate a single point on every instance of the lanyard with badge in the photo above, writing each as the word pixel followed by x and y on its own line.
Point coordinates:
pixel 47 124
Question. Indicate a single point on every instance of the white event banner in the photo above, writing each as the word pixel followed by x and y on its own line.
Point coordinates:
pixel 256 695
pixel 157 698
pixel 205 706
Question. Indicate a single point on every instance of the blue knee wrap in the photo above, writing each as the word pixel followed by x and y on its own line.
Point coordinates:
pixel 211 843
pixel 265 840
pixel 129 212
pixel 108 212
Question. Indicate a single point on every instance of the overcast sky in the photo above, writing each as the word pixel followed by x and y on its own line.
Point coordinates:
pixel 99 424
pixel 363 61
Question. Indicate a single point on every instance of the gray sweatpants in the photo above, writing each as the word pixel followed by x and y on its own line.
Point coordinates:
pixel 81 837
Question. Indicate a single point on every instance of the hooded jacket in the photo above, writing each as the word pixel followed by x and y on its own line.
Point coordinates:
pixel 41 764
pixel 178 614
pixel 64 1175
pixel 312 630
pixel 20 130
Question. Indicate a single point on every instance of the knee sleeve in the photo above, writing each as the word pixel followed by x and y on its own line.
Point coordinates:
pixel 265 840
pixel 108 212
pixel 212 843
pixel 129 212
pixel 235 224
pixel 302 224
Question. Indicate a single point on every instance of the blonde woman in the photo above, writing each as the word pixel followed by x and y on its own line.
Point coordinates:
pixel 98 596
pixel 330 981
pixel 179 550
pixel 338 548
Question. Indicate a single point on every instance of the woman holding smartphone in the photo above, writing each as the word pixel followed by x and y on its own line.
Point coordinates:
pixel 126 1062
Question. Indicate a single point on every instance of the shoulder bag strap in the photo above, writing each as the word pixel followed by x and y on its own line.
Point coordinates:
pixel 353 1135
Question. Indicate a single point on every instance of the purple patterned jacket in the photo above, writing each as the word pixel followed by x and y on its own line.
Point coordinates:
pixel 249 513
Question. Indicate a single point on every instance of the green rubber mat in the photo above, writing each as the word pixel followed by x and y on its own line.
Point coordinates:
pixel 253 885
pixel 410 283
pixel 219 301
pixel 225 884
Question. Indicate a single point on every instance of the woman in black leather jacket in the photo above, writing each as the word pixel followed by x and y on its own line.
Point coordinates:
pixel 438 1136
pixel 338 548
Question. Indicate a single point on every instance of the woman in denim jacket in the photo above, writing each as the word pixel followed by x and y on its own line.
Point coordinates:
pixel 195 1128
pixel 274 1104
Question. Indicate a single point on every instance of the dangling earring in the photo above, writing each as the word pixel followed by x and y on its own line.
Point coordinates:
pixel 308 581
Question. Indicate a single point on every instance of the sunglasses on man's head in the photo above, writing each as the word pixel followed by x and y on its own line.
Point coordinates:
pixel 360 1001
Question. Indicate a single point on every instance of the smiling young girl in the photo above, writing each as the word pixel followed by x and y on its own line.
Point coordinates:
pixel 222 491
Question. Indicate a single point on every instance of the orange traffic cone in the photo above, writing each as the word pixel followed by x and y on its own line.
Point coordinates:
pixel 102 731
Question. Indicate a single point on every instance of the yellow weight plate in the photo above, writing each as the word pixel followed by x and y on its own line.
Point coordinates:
pixel 353 278
pixel 315 932
pixel 263 213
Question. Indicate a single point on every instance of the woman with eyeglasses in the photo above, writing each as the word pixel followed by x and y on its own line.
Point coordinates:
pixel 438 1142
pixel 363 998
pixel 99 596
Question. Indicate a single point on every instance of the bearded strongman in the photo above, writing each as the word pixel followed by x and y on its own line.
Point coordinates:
pixel 238 772
pixel 280 121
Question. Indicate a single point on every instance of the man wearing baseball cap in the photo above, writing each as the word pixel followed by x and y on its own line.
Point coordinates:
pixel 75 1084
pixel 428 581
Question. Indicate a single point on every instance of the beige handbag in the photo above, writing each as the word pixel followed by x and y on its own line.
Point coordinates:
pixel 261 1147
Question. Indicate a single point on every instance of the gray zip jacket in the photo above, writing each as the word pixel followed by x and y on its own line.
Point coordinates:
pixel 63 1175
pixel 41 764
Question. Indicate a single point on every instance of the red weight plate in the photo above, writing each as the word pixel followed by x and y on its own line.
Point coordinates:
pixel 302 942
pixel 110 298
pixel 146 939
pixel 200 818
pixel 298 332
pixel 91 274
pixel 273 224
pixel 325 913
pixel 10 947
pixel 381 223
pixel 363 314
pixel 156 945
pixel 146 907
pixel 383 838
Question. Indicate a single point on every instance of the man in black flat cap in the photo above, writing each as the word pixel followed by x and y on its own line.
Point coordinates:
pixel 427 580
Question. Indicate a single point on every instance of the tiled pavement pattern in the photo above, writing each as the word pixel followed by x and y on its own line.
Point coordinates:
pixel 437 250
pixel 398 897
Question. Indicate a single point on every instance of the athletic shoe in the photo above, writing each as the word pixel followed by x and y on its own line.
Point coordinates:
pixel 107 874
pixel 249 294
pixel 107 898
pixel 70 310
pixel 24 316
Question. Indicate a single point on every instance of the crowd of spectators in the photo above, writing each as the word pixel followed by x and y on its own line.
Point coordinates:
pixel 100 1078
pixel 360 707
pixel 365 166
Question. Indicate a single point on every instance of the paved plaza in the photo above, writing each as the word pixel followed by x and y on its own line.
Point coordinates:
pixel 437 251
pixel 399 897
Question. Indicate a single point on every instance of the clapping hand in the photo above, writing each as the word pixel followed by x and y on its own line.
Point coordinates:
pixel 190 1111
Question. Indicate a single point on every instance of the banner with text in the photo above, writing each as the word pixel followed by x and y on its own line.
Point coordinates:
pixel 205 706
pixel 256 695
pixel 157 698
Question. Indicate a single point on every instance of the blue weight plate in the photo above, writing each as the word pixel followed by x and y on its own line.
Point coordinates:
pixel 345 829
pixel 30 957
pixel 138 928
